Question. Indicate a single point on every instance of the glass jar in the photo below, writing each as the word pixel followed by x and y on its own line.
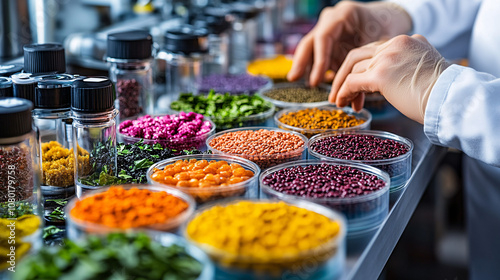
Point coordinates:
pixel 184 53
pixel 6 87
pixel 21 212
pixel 217 26
pixel 23 86
pixel 243 36
pixel 130 68
pixel 52 118
pixel 94 132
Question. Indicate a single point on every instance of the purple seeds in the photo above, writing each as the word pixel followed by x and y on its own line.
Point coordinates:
pixel 127 94
pixel 323 181
pixel 359 147
pixel 234 84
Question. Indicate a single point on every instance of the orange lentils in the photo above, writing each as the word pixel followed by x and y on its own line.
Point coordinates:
pixel 129 208
pixel 195 173
pixel 264 147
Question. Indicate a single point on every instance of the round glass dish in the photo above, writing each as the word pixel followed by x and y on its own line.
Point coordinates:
pixel 283 104
pixel 264 161
pixel 197 142
pixel 260 119
pixel 247 189
pixel 221 89
pixel 77 228
pixel 321 263
pixel 362 212
pixel 363 114
pixel 398 168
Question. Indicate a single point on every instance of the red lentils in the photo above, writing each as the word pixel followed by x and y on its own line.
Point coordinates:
pixel 264 147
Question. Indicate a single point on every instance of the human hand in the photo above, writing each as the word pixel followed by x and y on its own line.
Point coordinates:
pixel 403 69
pixel 341 28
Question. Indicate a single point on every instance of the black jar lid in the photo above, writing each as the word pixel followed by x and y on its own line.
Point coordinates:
pixel 15 112
pixel 6 87
pixel 244 11
pixel 44 58
pixel 52 95
pixel 213 24
pixel 130 45
pixel 7 70
pixel 92 95
pixel 186 40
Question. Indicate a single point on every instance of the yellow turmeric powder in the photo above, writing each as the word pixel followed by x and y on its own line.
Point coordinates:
pixel 273 233
pixel 132 208
pixel 275 68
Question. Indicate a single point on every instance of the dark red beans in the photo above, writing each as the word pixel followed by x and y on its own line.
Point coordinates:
pixel 323 181
pixel 359 147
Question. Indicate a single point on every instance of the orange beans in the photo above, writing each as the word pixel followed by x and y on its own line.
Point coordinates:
pixel 121 208
pixel 201 174
pixel 264 147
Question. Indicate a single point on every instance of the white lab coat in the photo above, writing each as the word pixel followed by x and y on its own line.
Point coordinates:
pixel 463 111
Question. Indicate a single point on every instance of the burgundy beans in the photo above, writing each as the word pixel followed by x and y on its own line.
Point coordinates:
pixel 359 147
pixel 323 181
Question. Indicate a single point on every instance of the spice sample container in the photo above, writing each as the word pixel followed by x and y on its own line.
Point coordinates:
pixel 213 177
pixel 243 36
pixel 227 111
pixel 182 131
pixel 130 58
pixel 6 87
pixel 359 191
pixel 264 146
pixel 20 197
pixel 7 70
pixel 217 26
pixel 289 95
pixel 184 54
pixel 234 83
pixel 312 121
pixel 146 207
pixel 155 255
pixel 52 118
pixel 275 68
pixel 39 59
pixel 268 239
pixel 94 131
pixel 383 150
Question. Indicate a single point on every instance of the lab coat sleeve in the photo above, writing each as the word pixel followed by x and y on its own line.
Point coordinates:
pixel 447 24
pixel 463 112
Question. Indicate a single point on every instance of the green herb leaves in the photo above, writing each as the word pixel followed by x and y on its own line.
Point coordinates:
pixel 117 256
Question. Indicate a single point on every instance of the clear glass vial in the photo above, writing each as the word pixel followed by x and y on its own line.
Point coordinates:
pixel 243 36
pixel 184 54
pixel 52 118
pixel 20 198
pixel 94 132
pixel 129 55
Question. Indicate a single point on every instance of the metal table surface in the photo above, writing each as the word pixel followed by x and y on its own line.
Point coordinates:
pixel 368 261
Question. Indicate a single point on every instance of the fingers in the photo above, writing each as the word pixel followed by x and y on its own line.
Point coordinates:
pixel 302 58
pixel 358 102
pixel 322 57
pixel 353 58
pixel 353 86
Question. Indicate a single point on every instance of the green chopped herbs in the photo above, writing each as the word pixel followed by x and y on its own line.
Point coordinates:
pixel 225 110
pixel 117 256
pixel 57 214
pixel 133 161
pixel 50 231
pixel 20 208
